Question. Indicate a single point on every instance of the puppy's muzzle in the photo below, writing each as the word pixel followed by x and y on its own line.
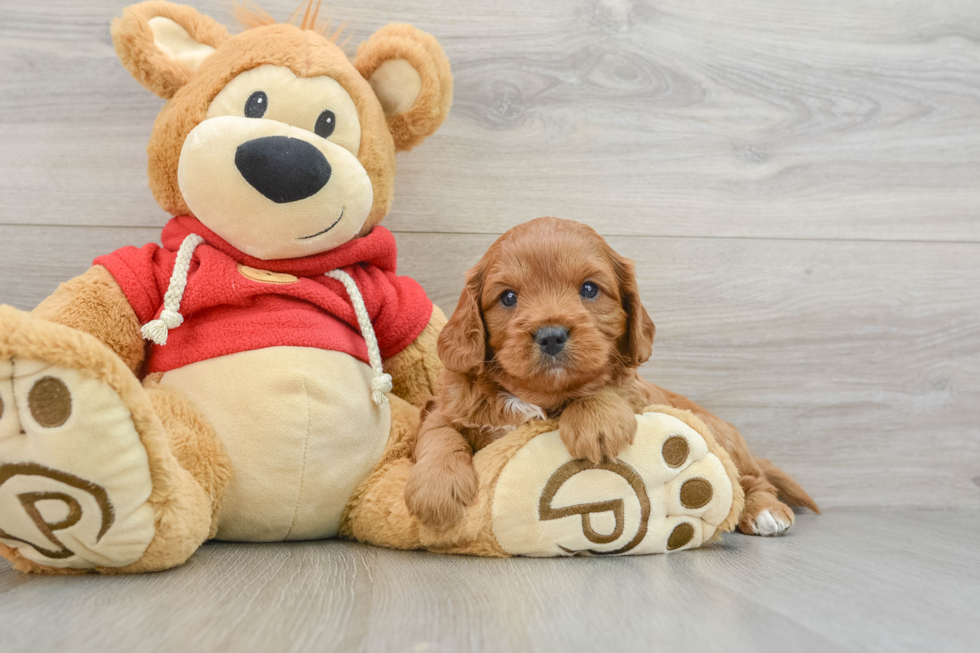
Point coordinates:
pixel 551 339
pixel 281 168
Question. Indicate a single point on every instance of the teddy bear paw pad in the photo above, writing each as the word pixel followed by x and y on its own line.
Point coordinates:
pixel 74 476
pixel 666 492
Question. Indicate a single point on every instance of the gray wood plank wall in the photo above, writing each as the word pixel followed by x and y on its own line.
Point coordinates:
pixel 798 184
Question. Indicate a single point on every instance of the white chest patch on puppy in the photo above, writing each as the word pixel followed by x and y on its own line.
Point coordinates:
pixel 519 409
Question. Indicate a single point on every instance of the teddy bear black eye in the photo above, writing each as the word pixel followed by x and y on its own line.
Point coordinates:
pixel 508 298
pixel 256 105
pixel 589 290
pixel 325 124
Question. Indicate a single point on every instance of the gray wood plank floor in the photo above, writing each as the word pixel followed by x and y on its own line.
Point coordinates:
pixel 846 581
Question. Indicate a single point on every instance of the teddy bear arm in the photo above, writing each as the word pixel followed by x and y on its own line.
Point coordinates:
pixel 416 369
pixel 94 303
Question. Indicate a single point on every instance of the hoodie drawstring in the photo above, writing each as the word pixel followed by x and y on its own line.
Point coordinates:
pixel 170 317
pixel 381 384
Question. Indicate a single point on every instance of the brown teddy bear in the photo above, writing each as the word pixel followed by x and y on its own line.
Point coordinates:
pixel 258 377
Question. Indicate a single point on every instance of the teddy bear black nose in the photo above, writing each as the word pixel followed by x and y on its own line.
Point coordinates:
pixel 281 168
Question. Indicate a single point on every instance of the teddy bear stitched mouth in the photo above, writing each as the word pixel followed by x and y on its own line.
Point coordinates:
pixel 320 233
pixel 283 169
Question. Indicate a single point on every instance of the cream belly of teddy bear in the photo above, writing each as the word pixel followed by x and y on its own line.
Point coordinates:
pixel 302 433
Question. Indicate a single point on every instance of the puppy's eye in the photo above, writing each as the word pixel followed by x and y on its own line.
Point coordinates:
pixel 508 298
pixel 589 290
pixel 325 124
pixel 256 105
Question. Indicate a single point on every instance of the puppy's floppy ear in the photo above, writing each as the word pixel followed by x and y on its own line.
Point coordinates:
pixel 636 344
pixel 409 73
pixel 462 343
pixel 162 44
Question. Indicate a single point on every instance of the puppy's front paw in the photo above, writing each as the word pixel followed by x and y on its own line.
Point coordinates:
pixel 597 428
pixel 437 493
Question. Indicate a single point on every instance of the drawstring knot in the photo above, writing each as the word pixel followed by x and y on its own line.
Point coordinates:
pixel 156 330
pixel 381 385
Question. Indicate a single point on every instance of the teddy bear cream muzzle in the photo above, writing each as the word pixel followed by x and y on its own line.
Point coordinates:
pixel 273 190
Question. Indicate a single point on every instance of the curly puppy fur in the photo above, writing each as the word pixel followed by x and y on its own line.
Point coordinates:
pixel 553 276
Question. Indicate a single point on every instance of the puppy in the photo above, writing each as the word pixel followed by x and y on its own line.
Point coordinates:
pixel 550 325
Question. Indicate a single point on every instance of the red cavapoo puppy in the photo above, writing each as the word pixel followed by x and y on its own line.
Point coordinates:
pixel 550 325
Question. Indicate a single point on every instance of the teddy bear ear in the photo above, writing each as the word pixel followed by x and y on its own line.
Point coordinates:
pixel 409 73
pixel 162 43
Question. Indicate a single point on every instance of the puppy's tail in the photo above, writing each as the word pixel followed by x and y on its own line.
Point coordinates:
pixel 789 490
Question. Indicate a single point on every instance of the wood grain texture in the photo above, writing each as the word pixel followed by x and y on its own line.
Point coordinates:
pixel 887 582
pixel 839 119
pixel 854 365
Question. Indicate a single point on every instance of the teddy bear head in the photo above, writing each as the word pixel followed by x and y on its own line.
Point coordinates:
pixel 273 138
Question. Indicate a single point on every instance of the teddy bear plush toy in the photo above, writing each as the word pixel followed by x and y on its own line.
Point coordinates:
pixel 258 377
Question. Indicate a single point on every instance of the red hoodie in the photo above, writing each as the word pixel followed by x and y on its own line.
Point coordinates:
pixel 226 312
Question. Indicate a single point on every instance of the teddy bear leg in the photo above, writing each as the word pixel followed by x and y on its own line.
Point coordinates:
pixel 88 481
pixel 377 514
pixel 674 488
pixel 194 443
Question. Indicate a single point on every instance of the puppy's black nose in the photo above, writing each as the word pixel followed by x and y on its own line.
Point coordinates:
pixel 281 168
pixel 551 340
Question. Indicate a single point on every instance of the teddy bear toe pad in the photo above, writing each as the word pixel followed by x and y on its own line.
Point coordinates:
pixel 74 476
pixel 666 492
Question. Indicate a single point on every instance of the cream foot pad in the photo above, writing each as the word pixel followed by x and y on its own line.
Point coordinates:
pixel 74 476
pixel 667 492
